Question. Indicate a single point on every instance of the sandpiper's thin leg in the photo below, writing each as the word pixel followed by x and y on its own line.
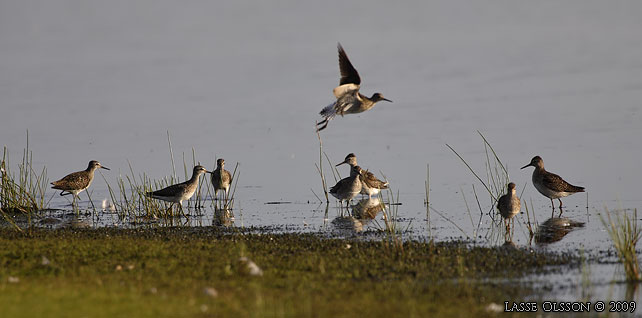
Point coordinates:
pixel 560 203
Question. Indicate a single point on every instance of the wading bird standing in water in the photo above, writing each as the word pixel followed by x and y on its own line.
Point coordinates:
pixel 177 193
pixel 370 185
pixel 221 179
pixel 78 181
pixel 349 100
pixel 549 184
pixel 348 188
pixel 509 206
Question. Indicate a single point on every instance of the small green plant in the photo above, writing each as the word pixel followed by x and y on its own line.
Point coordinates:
pixel 625 234
pixel 24 192
pixel 394 233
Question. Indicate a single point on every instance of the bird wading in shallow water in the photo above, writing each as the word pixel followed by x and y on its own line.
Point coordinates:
pixel 349 100
pixel 177 193
pixel 78 181
pixel 370 185
pixel 549 184
pixel 348 188
pixel 221 178
pixel 509 205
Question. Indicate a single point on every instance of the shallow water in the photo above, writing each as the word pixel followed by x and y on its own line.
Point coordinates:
pixel 245 81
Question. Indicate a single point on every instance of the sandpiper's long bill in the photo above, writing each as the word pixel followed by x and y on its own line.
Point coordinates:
pixel 78 181
pixel 349 100
pixel 371 185
pixel 549 184
pixel 348 188
pixel 177 193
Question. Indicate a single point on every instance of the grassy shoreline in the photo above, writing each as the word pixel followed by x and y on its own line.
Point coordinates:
pixel 164 272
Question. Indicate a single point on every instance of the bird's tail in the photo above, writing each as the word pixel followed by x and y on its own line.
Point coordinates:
pixel 329 111
pixel 576 188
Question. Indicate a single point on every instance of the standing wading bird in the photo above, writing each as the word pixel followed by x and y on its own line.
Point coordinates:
pixel 370 185
pixel 221 178
pixel 177 193
pixel 509 205
pixel 549 184
pixel 349 100
pixel 348 188
pixel 78 181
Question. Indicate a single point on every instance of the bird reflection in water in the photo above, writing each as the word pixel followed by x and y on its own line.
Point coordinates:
pixel 554 229
pixel 362 213
pixel 223 217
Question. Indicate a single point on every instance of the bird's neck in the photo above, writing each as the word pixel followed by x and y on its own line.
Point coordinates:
pixel 194 177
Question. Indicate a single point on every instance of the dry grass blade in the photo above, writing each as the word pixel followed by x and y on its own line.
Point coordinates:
pixel 471 170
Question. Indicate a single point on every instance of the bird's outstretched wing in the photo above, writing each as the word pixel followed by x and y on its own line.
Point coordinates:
pixel 349 74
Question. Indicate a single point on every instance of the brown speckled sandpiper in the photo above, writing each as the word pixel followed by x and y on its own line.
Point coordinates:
pixel 349 100
pixel 370 184
pixel 549 184
pixel 177 193
pixel 221 178
pixel 509 205
pixel 78 181
pixel 348 188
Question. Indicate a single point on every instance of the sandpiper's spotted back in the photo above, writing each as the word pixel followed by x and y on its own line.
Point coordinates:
pixel 78 181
